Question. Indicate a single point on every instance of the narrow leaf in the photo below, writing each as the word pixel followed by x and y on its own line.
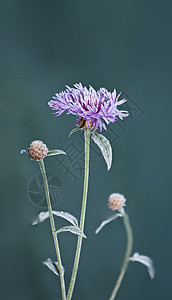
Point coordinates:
pixel 55 152
pixel 72 229
pixel 104 146
pixel 114 217
pixel 41 217
pixel 24 151
pixel 74 130
pixel 145 260
pixel 52 265
pixel 66 216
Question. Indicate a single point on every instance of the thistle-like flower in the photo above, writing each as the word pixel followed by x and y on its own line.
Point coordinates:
pixel 93 108
pixel 116 201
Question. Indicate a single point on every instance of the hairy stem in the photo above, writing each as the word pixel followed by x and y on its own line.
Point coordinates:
pixel 53 229
pixel 82 219
pixel 127 254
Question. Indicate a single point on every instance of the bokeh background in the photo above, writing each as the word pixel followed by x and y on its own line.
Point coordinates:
pixel 115 44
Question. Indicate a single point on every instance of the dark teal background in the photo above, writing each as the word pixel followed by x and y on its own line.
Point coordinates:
pixel 115 44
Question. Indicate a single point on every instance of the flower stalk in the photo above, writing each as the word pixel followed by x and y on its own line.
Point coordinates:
pixel 127 253
pixel 82 218
pixel 53 229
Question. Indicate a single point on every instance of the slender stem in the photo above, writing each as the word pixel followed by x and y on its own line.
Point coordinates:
pixel 82 219
pixel 127 254
pixel 53 229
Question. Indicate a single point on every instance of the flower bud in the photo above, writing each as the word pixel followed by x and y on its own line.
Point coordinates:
pixel 37 150
pixel 116 201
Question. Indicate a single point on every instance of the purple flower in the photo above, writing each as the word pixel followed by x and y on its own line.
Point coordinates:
pixel 94 108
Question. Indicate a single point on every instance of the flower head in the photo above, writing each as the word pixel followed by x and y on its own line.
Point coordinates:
pixel 37 150
pixel 116 201
pixel 93 109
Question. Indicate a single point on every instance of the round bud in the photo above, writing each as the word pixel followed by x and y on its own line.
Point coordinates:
pixel 116 201
pixel 37 150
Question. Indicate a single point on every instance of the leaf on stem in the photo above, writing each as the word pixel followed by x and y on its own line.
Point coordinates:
pixel 72 229
pixel 66 216
pixel 74 130
pixel 145 260
pixel 41 217
pixel 55 152
pixel 24 151
pixel 52 265
pixel 104 146
pixel 114 217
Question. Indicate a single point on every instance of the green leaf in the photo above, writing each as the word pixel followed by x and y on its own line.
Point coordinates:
pixel 24 151
pixel 72 229
pixel 145 260
pixel 52 265
pixel 114 217
pixel 74 130
pixel 104 146
pixel 41 217
pixel 55 152
pixel 66 216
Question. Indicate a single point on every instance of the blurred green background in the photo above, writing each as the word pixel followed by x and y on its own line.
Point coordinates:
pixel 115 44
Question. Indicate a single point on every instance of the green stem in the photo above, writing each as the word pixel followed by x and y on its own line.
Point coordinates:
pixel 53 229
pixel 82 219
pixel 127 254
